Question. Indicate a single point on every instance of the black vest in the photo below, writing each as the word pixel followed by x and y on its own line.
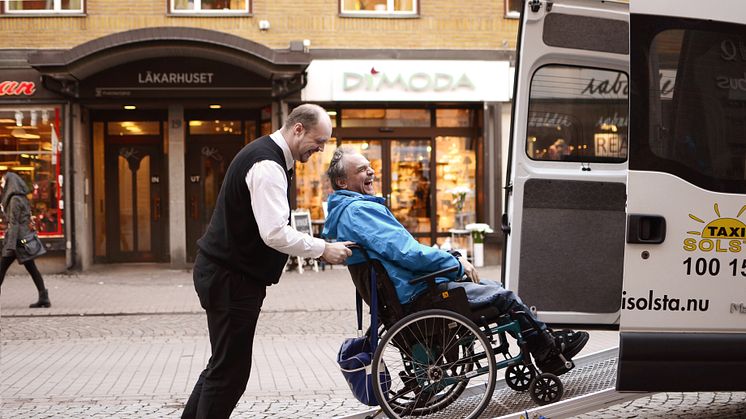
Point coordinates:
pixel 232 239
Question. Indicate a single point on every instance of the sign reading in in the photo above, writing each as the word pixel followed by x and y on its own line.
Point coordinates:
pixel 17 88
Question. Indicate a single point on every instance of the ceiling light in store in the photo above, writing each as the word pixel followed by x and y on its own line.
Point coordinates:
pixel 23 168
pixel 3 167
pixel 127 124
pixel 34 118
pixel 7 121
pixel 195 123
pixel 45 117
pixel 332 113
pixel 130 107
pixel 215 106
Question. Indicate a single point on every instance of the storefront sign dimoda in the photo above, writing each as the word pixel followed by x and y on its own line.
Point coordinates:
pixel 408 80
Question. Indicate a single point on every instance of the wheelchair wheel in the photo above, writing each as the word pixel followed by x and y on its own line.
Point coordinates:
pixel 519 376
pixel 434 362
pixel 546 388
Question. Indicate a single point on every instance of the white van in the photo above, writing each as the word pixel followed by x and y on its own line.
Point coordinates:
pixel 626 195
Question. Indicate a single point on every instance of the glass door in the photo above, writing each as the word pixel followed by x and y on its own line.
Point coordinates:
pixel 135 209
pixel 411 198
pixel 208 158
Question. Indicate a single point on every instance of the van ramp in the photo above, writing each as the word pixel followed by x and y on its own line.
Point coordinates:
pixel 589 386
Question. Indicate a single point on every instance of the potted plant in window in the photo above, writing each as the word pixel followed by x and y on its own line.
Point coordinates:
pixel 478 231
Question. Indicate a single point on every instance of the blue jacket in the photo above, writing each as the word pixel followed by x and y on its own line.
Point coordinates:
pixel 365 220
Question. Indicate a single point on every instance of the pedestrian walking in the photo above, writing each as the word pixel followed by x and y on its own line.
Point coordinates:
pixel 244 250
pixel 17 212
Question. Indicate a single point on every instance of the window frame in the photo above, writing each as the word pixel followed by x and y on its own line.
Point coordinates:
pixel 511 14
pixel 577 102
pixel 56 10
pixel 208 12
pixel 388 13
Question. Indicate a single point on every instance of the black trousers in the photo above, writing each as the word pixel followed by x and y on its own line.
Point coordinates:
pixel 30 266
pixel 232 304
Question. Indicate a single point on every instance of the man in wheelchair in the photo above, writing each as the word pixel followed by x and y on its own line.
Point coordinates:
pixel 356 215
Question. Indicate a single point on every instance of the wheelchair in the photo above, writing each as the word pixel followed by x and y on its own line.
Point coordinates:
pixel 438 357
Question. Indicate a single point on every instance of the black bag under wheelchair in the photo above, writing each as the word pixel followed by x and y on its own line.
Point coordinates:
pixel 438 357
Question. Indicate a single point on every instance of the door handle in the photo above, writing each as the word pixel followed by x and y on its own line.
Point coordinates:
pixel 156 208
pixel 194 208
pixel 646 229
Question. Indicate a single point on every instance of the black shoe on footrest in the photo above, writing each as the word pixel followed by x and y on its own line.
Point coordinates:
pixel 566 342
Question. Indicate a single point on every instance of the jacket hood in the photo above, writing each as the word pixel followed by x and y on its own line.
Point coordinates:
pixel 337 203
pixel 14 185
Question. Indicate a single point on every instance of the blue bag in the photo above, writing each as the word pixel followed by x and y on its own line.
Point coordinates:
pixel 356 354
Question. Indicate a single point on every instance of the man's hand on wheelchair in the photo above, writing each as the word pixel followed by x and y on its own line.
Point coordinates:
pixel 469 270
pixel 336 252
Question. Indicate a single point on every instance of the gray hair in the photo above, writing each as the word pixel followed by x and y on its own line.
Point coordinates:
pixel 307 114
pixel 336 171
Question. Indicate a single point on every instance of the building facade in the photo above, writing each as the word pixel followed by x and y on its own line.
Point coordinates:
pixel 124 126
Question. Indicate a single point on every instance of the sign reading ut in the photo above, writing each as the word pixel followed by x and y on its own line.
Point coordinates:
pixel 17 88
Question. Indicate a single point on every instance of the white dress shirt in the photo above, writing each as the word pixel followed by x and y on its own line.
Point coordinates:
pixel 268 185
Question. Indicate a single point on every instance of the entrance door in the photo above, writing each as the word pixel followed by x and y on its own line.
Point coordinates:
pixel 135 211
pixel 405 180
pixel 208 158
pixel 565 196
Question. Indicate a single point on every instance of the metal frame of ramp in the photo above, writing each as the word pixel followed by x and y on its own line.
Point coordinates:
pixel 590 386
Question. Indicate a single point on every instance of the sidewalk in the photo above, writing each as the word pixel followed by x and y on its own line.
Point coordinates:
pixel 134 337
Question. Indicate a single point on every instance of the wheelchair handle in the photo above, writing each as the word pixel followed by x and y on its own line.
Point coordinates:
pixel 361 249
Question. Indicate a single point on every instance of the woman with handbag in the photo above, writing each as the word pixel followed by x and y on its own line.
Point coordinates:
pixel 20 242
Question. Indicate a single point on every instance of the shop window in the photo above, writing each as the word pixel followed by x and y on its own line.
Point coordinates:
pixel 450 118
pixel 578 115
pixel 125 128
pixel 513 9
pixel 44 6
pixel 30 144
pixel 210 6
pixel 385 118
pixel 378 7
pixel 455 170
pixel 214 127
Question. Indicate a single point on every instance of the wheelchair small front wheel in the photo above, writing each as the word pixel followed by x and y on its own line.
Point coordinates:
pixel 546 388
pixel 434 362
pixel 519 376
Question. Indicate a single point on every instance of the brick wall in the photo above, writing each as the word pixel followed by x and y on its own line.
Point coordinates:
pixel 442 24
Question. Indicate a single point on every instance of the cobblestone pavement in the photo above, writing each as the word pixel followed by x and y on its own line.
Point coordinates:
pixel 128 341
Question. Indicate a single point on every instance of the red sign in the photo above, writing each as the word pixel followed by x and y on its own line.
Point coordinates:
pixel 17 88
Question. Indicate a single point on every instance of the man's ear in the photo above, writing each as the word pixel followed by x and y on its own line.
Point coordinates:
pixel 342 183
pixel 298 128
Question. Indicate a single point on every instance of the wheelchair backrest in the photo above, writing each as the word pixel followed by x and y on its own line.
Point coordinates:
pixel 389 309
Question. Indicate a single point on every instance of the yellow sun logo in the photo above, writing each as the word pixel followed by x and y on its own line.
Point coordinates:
pixel 717 229
pixel 721 227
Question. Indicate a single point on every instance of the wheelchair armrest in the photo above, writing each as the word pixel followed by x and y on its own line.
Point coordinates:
pixel 431 277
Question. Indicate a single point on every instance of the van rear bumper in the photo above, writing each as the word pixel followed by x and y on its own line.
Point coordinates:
pixel 682 362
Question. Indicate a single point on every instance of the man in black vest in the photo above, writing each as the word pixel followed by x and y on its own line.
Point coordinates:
pixel 245 249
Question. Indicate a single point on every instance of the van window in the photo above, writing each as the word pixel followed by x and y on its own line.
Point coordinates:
pixel 577 114
pixel 697 108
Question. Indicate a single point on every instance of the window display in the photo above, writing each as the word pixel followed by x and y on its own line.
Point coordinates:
pixel 30 145
pixel 429 181
pixel 456 183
